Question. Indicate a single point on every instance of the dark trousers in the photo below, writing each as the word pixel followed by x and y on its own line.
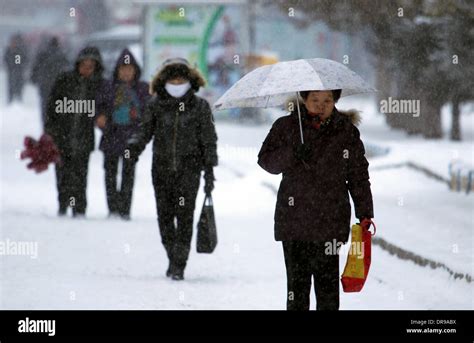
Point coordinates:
pixel 44 104
pixel 175 195
pixel 306 260
pixel 71 182
pixel 119 200
pixel 15 85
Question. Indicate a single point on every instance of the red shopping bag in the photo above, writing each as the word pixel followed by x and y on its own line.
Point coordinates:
pixel 358 260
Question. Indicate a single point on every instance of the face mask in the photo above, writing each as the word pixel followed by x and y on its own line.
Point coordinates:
pixel 177 91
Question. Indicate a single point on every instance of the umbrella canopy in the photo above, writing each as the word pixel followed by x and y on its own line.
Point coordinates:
pixel 271 85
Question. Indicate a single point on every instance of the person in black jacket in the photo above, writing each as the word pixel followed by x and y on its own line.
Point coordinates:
pixel 185 143
pixel 16 62
pixel 313 208
pixel 70 121
pixel 49 63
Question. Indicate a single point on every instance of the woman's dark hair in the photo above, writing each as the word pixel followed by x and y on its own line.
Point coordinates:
pixel 336 94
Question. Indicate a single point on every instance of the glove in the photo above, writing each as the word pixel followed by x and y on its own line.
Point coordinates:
pixel 303 152
pixel 209 180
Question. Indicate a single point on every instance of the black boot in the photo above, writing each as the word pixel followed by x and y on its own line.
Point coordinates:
pixel 78 213
pixel 180 254
pixel 169 272
pixel 175 273
pixel 125 216
pixel 113 214
pixel 178 274
pixel 62 211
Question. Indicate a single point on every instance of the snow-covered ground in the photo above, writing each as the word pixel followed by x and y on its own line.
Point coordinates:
pixel 101 263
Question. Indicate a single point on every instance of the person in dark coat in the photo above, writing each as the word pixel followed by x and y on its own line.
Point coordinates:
pixel 185 143
pixel 16 62
pixel 49 63
pixel 313 206
pixel 123 106
pixel 70 119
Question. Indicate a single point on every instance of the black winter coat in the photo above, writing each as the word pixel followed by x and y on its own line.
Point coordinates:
pixel 313 204
pixel 183 140
pixel 74 132
pixel 48 65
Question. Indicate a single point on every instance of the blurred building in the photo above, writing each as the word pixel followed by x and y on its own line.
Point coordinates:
pixel 228 38
pixel 210 34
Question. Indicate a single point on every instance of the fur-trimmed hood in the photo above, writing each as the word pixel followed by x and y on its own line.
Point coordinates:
pixel 167 72
pixel 352 114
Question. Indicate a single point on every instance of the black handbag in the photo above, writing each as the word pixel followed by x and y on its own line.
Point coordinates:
pixel 207 233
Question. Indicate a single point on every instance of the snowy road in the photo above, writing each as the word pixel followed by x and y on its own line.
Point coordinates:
pixel 100 263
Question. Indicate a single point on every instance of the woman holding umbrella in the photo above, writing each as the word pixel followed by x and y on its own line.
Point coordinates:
pixel 313 206
pixel 318 150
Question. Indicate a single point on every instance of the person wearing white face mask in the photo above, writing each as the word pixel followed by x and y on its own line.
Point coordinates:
pixel 184 145
pixel 176 89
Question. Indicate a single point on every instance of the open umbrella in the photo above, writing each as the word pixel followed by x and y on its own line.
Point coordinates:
pixel 271 85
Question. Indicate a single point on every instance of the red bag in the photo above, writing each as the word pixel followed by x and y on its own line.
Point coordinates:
pixel 358 261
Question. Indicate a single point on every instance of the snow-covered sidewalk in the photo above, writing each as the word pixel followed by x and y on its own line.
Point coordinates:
pixel 100 263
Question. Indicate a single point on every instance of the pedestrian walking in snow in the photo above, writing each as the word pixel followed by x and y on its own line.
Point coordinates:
pixel 123 103
pixel 184 145
pixel 16 62
pixel 70 119
pixel 313 207
pixel 49 63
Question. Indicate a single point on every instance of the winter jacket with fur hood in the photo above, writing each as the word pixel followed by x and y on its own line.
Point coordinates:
pixel 183 132
pixel 313 200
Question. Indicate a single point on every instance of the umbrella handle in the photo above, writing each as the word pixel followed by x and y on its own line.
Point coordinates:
pixel 301 127
pixel 299 117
